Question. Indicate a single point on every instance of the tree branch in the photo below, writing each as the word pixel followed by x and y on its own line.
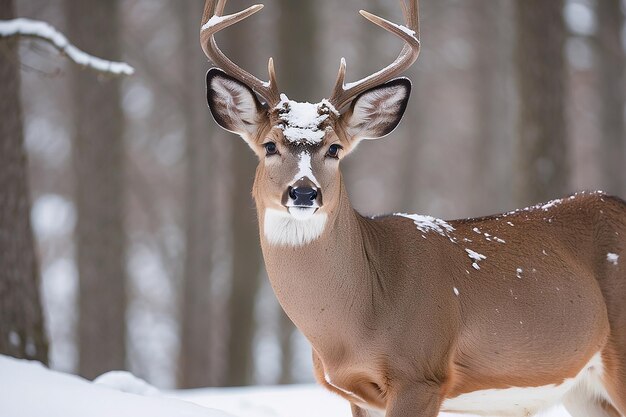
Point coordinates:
pixel 41 30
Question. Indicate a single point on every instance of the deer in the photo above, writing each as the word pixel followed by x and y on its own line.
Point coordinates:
pixel 407 314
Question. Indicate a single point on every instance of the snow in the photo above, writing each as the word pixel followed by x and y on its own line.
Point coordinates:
pixel 518 272
pixel 550 204
pixel 126 382
pixel 405 29
pixel 42 30
pixel 426 224
pixel 456 291
pixel 477 257
pixel 286 401
pixel 612 257
pixel 214 20
pixel 302 120
pixel 31 390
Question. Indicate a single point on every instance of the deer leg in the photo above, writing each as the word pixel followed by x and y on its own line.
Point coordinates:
pixel 578 404
pixel 362 412
pixel 616 386
pixel 414 401
pixel 615 365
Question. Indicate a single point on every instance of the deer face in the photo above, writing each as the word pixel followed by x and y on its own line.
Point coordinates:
pixel 300 146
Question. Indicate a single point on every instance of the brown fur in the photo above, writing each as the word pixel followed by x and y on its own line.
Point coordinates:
pixel 375 299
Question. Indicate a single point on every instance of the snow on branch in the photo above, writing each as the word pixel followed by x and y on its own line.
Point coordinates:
pixel 41 30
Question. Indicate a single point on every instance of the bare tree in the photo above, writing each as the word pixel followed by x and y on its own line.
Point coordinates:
pixel 22 332
pixel 611 66
pixel 195 366
pixel 541 81
pixel 490 28
pixel 245 245
pixel 98 156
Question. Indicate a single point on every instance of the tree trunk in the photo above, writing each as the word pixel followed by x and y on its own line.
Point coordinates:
pixel 98 156
pixel 22 332
pixel 195 367
pixel 490 29
pixel 611 67
pixel 246 250
pixel 541 81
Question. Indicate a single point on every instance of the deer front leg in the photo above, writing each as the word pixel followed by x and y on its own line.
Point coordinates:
pixel 419 400
pixel 358 411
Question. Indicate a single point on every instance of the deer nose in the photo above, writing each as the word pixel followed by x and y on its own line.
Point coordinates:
pixel 303 196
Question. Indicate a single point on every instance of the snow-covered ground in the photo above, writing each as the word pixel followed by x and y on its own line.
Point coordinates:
pixel 28 389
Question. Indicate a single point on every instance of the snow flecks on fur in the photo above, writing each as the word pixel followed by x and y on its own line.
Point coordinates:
pixel 549 204
pixel 456 291
pixel 427 224
pixel 612 258
pixel 476 257
pixel 518 272
pixel 488 237
pixel 302 121
pixel 552 203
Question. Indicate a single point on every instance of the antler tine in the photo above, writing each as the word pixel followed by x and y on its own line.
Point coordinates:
pixel 213 21
pixel 343 93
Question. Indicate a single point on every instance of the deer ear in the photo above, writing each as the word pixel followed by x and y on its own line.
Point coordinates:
pixel 233 104
pixel 376 112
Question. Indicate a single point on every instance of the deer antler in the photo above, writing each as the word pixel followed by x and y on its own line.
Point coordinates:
pixel 343 93
pixel 213 21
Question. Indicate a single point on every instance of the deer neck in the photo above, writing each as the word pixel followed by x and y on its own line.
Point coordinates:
pixel 319 282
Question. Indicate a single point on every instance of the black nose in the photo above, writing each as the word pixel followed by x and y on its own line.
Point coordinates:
pixel 303 196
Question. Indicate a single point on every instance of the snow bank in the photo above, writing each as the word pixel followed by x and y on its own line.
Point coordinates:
pixel 280 401
pixel 28 389
pixel 289 401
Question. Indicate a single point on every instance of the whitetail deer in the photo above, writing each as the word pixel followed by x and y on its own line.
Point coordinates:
pixel 408 314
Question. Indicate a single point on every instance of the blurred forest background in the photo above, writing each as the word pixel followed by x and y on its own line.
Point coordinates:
pixel 147 249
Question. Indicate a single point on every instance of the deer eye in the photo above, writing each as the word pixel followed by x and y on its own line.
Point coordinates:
pixel 270 148
pixel 333 151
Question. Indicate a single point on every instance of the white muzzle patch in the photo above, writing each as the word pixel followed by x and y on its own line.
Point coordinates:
pixel 297 228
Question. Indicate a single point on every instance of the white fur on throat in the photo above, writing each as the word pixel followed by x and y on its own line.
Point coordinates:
pixel 283 229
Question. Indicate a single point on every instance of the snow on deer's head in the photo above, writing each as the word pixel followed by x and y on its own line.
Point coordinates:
pixel 300 145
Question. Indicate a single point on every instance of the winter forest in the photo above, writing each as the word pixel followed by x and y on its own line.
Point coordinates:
pixel 128 234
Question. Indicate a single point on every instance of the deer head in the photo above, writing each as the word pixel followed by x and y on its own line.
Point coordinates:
pixel 300 145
